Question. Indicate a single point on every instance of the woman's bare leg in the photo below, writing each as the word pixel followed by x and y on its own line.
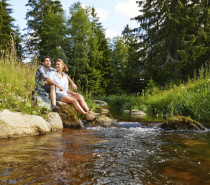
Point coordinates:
pixel 81 101
pixel 73 101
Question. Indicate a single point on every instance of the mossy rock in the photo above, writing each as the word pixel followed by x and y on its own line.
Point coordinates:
pixel 102 108
pixel 102 121
pixel 69 116
pixel 182 123
pixel 102 104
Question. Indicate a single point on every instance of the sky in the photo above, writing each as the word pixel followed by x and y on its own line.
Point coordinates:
pixel 114 14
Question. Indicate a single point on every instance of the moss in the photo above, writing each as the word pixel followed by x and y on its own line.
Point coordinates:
pixel 182 123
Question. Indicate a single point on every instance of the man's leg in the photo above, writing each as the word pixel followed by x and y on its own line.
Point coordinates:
pixel 52 95
pixel 53 98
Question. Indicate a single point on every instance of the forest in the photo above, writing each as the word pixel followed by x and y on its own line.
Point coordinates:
pixel 170 46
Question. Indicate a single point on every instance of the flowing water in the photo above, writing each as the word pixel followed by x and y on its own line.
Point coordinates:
pixel 130 154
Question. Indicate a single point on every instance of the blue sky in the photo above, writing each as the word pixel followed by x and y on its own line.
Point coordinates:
pixel 114 14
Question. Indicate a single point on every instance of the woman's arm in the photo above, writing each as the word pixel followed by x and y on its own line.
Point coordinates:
pixel 73 85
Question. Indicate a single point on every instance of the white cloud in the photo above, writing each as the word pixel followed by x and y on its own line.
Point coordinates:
pixel 102 13
pixel 129 8
pixel 111 33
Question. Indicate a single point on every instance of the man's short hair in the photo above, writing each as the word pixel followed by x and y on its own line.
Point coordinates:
pixel 43 59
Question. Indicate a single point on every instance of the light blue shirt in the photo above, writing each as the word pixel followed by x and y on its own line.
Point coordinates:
pixel 60 81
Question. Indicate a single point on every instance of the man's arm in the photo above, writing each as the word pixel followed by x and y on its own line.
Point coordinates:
pixel 73 85
pixel 47 79
pixel 51 82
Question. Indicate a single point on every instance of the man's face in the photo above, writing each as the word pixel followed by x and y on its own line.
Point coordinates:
pixel 47 62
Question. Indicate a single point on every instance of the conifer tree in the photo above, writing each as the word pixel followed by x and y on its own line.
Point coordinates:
pixel 99 55
pixel 52 36
pixel 132 81
pixel 170 38
pixel 119 60
pixel 36 14
pixel 6 24
pixel 77 44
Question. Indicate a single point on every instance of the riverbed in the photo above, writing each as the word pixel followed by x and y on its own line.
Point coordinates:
pixel 133 153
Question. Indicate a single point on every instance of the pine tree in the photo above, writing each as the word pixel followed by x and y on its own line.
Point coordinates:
pixel 196 39
pixel 172 38
pixel 6 24
pixel 99 55
pixel 38 11
pixel 77 44
pixel 132 81
pixel 52 36
pixel 119 60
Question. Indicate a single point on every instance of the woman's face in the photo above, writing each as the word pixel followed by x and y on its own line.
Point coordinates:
pixel 59 66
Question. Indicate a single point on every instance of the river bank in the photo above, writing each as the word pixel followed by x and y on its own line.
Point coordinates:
pixel 190 99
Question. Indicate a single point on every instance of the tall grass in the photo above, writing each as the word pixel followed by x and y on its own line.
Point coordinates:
pixel 17 81
pixel 190 99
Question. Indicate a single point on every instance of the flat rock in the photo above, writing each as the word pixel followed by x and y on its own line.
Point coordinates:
pixel 136 112
pixel 102 104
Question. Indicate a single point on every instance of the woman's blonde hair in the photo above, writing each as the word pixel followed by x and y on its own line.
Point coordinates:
pixel 65 68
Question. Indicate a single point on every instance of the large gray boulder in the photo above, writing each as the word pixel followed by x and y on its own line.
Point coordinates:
pixel 16 124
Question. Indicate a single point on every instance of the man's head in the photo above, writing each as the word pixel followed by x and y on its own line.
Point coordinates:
pixel 46 61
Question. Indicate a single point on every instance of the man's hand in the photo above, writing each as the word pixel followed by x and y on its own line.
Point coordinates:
pixel 46 83
pixel 73 86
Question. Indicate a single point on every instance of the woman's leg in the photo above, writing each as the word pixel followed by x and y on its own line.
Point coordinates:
pixel 73 101
pixel 81 101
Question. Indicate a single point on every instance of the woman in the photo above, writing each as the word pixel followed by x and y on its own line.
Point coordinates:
pixel 67 96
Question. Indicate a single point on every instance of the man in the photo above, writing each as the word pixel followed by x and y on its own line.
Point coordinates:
pixel 47 92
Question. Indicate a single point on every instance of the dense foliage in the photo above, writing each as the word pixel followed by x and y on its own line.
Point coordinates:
pixel 174 38
pixel 170 45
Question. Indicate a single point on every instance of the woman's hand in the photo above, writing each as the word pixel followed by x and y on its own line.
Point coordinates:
pixel 73 86
pixel 72 93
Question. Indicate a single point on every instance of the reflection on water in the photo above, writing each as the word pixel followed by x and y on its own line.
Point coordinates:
pixel 124 155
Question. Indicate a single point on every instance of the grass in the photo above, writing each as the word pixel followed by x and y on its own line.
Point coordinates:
pixel 190 99
pixel 17 81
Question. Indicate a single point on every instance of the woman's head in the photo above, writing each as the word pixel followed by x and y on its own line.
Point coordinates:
pixel 61 66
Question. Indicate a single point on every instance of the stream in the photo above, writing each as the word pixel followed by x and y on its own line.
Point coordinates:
pixel 133 154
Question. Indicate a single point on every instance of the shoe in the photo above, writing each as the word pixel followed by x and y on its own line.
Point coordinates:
pixel 90 117
pixel 93 113
pixel 55 108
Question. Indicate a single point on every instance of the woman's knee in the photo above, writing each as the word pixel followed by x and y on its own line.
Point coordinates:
pixel 80 97
pixel 74 101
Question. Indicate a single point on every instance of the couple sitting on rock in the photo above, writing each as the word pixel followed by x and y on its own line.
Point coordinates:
pixel 52 84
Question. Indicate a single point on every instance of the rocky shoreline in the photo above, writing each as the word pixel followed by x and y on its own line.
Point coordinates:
pixel 17 124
